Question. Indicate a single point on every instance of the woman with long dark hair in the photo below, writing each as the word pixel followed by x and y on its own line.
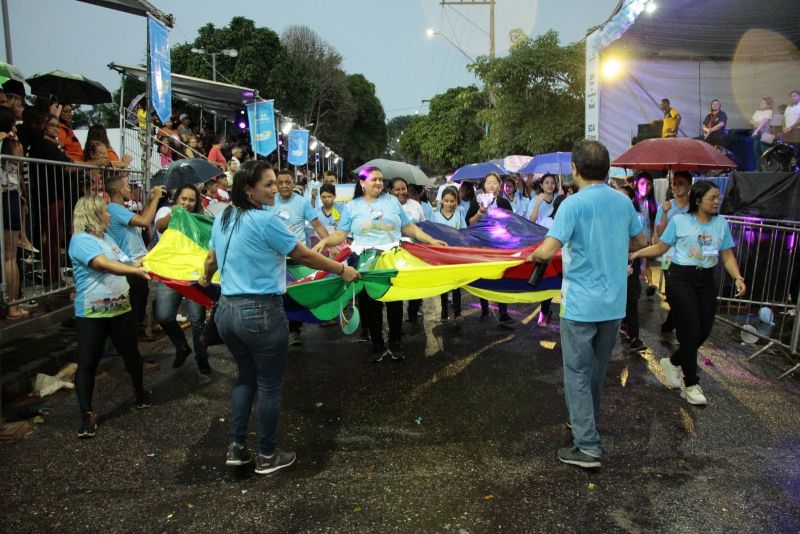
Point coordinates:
pixel 248 246
pixel 476 212
pixel 168 300
pixel 701 238
pixel 376 221
pixel 646 200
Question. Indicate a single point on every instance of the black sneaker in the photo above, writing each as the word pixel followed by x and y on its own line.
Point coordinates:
pixel 378 353
pixel 505 319
pixel 181 355
pixel 269 464
pixel 396 351
pixel 237 455
pixel 203 367
pixel 637 344
pixel 88 426
pixel 574 456
pixel 364 335
pixel 294 339
pixel 650 290
pixel 143 400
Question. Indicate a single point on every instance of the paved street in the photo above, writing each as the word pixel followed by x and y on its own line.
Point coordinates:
pixel 460 437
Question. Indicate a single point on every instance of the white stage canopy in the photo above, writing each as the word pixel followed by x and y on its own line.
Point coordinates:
pixel 690 51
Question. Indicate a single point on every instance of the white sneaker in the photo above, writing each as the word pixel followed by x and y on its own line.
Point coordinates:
pixel 694 395
pixel 671 372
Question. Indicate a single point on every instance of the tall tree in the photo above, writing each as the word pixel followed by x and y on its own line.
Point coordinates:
pixel 319 96
pixel 261 61
pixel 537 91
pixel 450 134
pixel 368 131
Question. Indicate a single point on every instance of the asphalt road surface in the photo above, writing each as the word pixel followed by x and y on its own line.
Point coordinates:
pixel 461 437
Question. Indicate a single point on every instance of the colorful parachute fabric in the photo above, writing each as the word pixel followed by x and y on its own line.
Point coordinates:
pixel 411 271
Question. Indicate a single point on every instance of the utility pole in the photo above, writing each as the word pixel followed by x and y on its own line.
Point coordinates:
pixel 489 3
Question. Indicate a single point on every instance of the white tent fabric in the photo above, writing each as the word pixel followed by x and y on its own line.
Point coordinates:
pixel 690 85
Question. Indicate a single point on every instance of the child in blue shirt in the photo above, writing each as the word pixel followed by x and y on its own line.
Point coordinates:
pixel 450 215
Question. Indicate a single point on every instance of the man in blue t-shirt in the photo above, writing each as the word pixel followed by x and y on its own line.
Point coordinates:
pixel 294 211
pixel 126 230
pixel 596 228
pixel 681 184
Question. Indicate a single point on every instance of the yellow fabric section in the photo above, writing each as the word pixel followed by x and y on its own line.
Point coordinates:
pixel 178 257
pixel 416 279
pixel 527 297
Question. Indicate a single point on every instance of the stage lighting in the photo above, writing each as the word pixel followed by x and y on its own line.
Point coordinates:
pixel 651 7
pixel 612 68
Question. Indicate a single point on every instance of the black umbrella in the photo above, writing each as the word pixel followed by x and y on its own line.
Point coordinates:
pixel 185 171
pixel 69 87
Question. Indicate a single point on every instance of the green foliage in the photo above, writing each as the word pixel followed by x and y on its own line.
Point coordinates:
pixel 450 134
pixel 368 131
pixel 538 97
pixel 395 130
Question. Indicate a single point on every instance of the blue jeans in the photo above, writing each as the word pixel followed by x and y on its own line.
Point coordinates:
pixel 255 330
pixel 167 303
pixel 586 349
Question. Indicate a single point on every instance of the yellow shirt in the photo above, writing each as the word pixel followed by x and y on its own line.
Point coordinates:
pixel 670 126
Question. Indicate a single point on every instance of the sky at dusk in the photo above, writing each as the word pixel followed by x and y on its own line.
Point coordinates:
pixel 383 39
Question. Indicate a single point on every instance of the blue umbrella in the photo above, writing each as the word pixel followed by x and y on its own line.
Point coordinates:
pixel 477 171
pixel 554 163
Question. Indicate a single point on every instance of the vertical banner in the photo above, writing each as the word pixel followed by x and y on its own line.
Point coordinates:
pixel 160 69
pixel 261 116
pixel 298 147
pixel 592 86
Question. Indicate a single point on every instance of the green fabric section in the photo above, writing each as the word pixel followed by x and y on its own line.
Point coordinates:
pixel 195 227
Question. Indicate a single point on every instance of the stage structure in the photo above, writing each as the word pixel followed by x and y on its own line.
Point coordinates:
pixel 690 51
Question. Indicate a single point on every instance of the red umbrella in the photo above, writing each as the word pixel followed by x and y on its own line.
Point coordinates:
pixel 675 153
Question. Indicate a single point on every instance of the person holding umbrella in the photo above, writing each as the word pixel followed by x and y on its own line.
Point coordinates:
pixel 700 238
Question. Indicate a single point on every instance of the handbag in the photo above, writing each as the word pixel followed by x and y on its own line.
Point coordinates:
pixel 210 335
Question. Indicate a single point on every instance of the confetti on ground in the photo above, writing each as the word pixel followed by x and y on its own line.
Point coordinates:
pixel 549 345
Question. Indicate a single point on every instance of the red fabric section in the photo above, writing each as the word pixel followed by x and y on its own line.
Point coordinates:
pixel 435 255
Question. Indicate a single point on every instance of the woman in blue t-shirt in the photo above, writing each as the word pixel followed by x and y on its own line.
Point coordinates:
pixel 249 245
pixel 700 238
pixel 102 305
pixel 375 221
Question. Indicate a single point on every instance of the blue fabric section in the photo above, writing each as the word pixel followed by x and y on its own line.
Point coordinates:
pixel 498 229
pixel 515 284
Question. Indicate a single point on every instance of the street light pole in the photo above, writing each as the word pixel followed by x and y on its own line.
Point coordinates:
pixel 431 32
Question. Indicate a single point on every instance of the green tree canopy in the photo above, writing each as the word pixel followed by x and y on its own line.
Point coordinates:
pixel 449 135
pixel 537 92
pixel 368 131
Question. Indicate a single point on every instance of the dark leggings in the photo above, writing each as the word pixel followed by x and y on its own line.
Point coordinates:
pixel 140 290
pixel 456 303
pixel 502 308
pixel 692 296
pixel 92 334
pixel 372 311
pixel 631 320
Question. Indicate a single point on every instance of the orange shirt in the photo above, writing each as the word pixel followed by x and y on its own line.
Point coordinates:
pixel 70 143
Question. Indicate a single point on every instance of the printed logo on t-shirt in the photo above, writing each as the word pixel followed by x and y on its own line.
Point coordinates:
pixel 107 307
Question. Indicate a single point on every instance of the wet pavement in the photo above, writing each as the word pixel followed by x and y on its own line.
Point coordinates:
pixel 460 437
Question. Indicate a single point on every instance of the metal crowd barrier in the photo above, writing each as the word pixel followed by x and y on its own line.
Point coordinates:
pixel 769 260
pixel 51 191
